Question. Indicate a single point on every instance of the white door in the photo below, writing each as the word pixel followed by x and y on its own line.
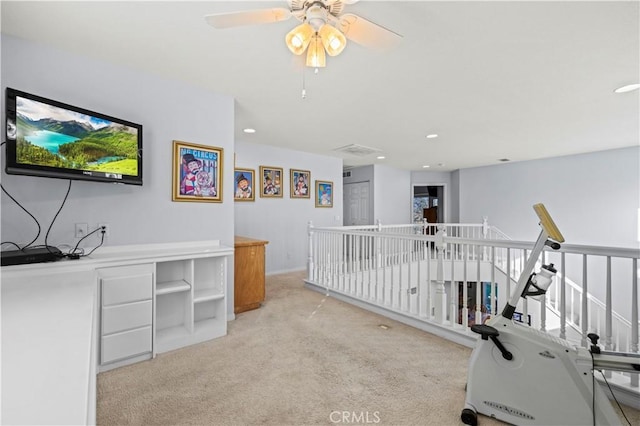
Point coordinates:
pixel 356 203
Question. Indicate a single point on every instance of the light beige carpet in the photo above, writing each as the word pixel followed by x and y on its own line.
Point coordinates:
pixel 301 359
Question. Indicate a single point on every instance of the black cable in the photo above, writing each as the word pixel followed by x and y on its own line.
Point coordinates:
pixel 593 389
pixel 614 397
pixel 12 243
pixel 25 210
pixel 99 245
pixel 56 216
pixel 82 239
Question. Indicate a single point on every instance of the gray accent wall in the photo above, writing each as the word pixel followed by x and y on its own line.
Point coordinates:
pixel 593 198
pixel 284 221
pixel 168 110
pixel 392 195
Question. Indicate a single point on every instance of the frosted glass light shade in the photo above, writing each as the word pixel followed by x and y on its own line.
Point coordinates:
pixel 315 54
pixel 298 39
pixel 332 39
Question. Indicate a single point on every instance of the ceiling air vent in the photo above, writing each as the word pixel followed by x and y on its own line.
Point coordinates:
pixel 357 150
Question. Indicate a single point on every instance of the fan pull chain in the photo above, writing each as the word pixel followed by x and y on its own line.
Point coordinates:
pixel 304 90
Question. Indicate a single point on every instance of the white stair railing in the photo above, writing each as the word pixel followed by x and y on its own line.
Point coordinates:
pixel 406 271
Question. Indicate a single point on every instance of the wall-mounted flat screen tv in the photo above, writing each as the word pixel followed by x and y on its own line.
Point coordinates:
pixel 52 139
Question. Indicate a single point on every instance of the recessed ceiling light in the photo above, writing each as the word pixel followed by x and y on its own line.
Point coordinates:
pixel 381 157
pixel 628 88
pixel 426 166
pixel 249 130
pixel 432 135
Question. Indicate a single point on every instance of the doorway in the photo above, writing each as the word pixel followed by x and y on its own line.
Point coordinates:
pixel 356 204
pixel 428 203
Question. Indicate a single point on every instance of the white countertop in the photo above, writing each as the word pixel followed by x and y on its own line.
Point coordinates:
pixel 109 255
pixel 47 332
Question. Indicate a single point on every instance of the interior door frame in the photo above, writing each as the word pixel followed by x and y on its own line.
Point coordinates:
pixel 441 203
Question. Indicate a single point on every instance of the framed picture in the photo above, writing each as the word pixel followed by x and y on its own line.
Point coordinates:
pixel 270 181
pixel 324 193
pixel 197 173
pixel 244 179
pixel 300 180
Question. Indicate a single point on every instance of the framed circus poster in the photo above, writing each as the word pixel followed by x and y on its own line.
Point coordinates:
pixel 271 181
pixel 197 172
pixel 244 180
pixel 324 193
pixel 300 181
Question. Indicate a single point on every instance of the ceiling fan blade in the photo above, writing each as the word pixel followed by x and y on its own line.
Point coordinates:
pixel 366 33
pixel 248 17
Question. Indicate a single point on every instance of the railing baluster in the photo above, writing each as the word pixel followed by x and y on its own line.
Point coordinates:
pixel 494 284
pixel 608 316
pixel 508 292
pixel 584 318
pixel 635 378
pixel 455 309
pixel 543 301
pixel 310 265
pixel 465 297
pixel 563 298
pixel 440 301
pixel 479 304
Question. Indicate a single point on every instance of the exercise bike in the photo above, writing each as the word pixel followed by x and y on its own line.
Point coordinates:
pixel 524 376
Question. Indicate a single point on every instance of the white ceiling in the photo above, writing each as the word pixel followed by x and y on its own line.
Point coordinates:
pixel 507 79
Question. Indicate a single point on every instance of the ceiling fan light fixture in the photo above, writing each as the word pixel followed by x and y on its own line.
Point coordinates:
pixel 315 54
pixel 299 38
pixel 332 39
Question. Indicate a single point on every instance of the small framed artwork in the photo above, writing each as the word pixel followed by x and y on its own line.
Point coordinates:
pixel 270 181
pixel 197 172
pixel 324 193
pixel 300 180
pixel 244 180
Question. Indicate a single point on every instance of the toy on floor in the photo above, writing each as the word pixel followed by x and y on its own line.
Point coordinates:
pixel 524 376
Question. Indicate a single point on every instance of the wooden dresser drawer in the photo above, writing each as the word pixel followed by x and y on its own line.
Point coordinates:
pixel 126 317
pixel 124 345
pixel 126 288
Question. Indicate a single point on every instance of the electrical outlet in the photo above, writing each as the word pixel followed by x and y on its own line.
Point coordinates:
pixel 106 229
pixel 81 230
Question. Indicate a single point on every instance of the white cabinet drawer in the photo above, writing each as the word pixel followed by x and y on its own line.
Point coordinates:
pixel 126 288
pixel 124 345
pixel 126 317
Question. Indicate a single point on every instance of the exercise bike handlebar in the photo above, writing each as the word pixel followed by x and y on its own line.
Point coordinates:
pixel 549 232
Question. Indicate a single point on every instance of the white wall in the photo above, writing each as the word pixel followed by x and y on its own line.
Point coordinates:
pixel 167 110
pixel 392 195
pixel 593 198
pixel 283 221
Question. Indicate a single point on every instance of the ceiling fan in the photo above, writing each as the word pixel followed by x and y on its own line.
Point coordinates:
pixel 324 27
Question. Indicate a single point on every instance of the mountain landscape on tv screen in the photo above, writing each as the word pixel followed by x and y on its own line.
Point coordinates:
pixel 74 145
